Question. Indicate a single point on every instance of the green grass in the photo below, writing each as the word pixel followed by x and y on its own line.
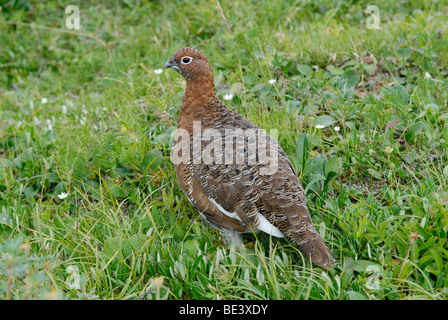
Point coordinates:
pixel 377 188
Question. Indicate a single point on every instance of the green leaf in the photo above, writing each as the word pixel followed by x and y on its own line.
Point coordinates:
pixel 30 192
pixel 404 53
pixel 113 246
pixel 153 159
pixel 5 219
pixel 93 187
pixel 334 164
pixel 302 148
pixel 117 190
pixel 396 123
pixel 335 70
pixel 351 79
pixel 330 176
pixel 134 244
pixel 324 120
pixel 316 165
pixel 409 157
pixel 432 107
pixel 353 295
pixel 236 88
pixel 442 197
pixel 52 177
pixel 444 117
pixel 257 87
pixel 304 69
pixel 350 124
pixel 375 173
pixel 293 105
pixel 437 258
pixel 400 92
pixel 347 272
pixel 370 68
pixel 416 128
pixel 191 248
pixel 107 164
pixel 313 184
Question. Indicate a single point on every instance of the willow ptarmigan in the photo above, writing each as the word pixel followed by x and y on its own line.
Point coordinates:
pixel 233 172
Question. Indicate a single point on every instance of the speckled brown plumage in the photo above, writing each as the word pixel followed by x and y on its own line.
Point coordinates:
pixel 236 197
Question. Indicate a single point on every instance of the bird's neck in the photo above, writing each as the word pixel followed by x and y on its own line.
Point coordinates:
pixel 199 90
pixel 197 95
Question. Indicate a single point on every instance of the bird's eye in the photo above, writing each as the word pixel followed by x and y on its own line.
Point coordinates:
pixel 186 60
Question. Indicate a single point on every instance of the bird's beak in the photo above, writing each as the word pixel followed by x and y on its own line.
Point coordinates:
pixel 169 64
pixel 172 64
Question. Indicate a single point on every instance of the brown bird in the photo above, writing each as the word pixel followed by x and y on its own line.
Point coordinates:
pixel 233 172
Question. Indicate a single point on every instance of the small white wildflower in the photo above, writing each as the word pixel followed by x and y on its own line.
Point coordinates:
pixel 44 100
pixel 280 35
pixel 50 126
pixel 272 81
pixel 371 152
pixel 157 282
pixel 228 96
pixel 158 71
pixel 63 195
pixel 64 109
pixel 427 76
pixel 389 150
pixel 337 128
pixel 319 126
pixel 332 56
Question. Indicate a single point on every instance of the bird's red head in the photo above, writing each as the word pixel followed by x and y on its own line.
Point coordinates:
pixel 191 64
